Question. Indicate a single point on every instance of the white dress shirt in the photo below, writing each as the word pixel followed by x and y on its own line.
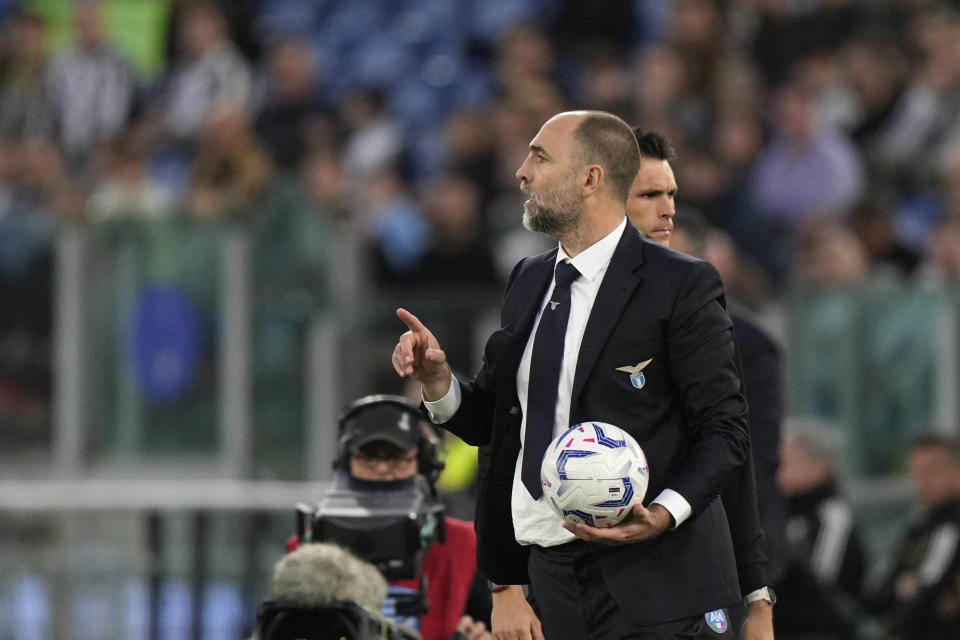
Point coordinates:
pixel 534 522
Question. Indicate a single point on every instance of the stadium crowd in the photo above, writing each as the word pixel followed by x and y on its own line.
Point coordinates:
pixel 823 136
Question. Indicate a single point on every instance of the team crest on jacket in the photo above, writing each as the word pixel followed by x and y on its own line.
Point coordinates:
pixel 636 377
pixel 716 620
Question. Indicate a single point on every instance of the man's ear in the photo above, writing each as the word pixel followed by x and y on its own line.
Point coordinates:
pixel 592 178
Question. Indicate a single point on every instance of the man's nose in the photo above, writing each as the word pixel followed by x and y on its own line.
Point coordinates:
pixel 522 174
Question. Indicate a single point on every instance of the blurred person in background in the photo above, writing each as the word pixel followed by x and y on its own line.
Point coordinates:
pixel 23 102
pixel 919 598
pixel 231 170
pixel 124 187
pixel 379 448
pixel 209 72
pixel 924 119
pixel 662 101
pixel 394 224
pixel 873 220
pixel 941 257
pixel 459 252
pixel 603 82
pixel 292 118
pixel 823 585
pixel 90 88
pixel 374 139
pixel 876 71
pixel 807 174
pixel 523 57
pixel 830 255
pixel 469 146
pixel 651 208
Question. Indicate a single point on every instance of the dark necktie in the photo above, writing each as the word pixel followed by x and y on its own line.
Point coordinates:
pixel 545 376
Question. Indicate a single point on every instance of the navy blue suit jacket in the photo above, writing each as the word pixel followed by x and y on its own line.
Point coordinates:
pixel 690 418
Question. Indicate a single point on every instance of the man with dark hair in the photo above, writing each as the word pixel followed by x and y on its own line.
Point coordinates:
pixel 651 207
pixel 826 562
pixel 572 319
pixel 920 597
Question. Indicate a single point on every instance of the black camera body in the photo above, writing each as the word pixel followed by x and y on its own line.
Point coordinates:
pixel 391 525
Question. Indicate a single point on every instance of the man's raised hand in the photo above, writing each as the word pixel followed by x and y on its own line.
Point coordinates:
pixel 419 356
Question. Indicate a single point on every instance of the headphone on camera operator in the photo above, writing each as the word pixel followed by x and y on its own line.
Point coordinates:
pixel 392 419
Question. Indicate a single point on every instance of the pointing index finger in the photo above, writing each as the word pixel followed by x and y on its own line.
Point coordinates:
pixel 413 323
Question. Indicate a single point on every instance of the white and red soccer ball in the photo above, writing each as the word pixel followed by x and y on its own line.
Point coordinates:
pixel 594 473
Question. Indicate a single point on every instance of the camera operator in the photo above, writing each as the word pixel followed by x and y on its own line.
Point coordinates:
pixel 385 442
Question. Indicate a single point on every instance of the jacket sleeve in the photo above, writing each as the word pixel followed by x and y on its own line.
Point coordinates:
pixel 704 367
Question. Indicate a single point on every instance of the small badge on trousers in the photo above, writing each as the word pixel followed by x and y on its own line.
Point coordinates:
pixel 636 378
pixel 716 620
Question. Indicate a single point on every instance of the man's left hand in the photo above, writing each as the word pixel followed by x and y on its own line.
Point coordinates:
pixel 759 622
pixel 641 524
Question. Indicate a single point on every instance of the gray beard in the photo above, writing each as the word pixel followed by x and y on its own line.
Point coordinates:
pixel 554 219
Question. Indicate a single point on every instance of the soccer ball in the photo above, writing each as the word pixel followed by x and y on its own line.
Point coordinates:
pixel 594 473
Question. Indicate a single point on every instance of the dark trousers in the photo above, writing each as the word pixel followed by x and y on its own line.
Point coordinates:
pixel 574 603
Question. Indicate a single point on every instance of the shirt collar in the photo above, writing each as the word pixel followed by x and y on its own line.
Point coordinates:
pixel 594 258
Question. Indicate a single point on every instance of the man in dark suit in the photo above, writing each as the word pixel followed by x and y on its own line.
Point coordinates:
pixel 628 301
pixel 651 207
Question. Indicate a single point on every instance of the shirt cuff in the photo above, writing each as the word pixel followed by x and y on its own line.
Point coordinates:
pixel 443 409
pixel 676 504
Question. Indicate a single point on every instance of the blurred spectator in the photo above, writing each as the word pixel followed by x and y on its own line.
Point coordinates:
pixel 821 589
pixel 398 233
pixel 697 31
pixel 470 149
pixel 663 100
pixel 949 181
pixel 874 222
pixel 919 598
pixel 830 255
pixel 209 72
pixel 738 138
pixel 876 71
pixel 603 83
pixel 90 87
pixel 374 139
pixel 807 172
pixel 821 75
pixel 322 176
pixel 785 31
pixel 292 116
pixel 459 251
pixel 126 188
pixel 926 115
pixel 941 258
pixel 23 105
pixel 524 55
pixel 231 170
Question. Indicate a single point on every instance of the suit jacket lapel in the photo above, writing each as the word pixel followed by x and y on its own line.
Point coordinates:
pixel 520 308
pixel 618 284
